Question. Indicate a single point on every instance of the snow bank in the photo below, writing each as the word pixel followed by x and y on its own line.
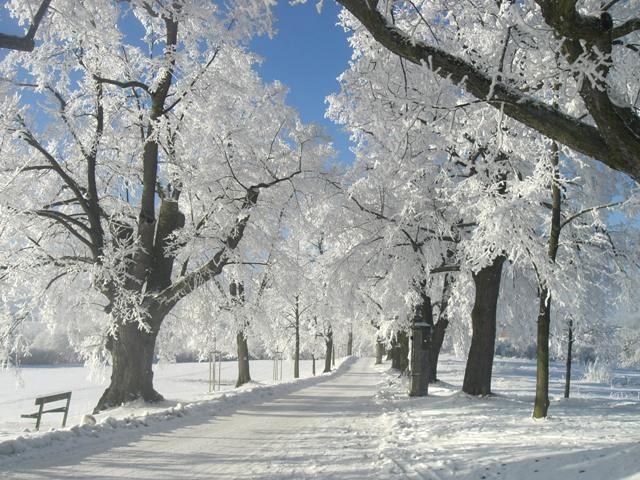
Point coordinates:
pixel 119 421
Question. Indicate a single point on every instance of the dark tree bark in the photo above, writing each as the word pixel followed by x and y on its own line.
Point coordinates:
pixel 333 355
pixel 404 351
pixel 400 352
pixel 614 141
pixel 477 375
pixel 393 353
pixel 421 345
pixel 313 365
pixel 379 351
pixel 236 291
pixel 350 344
pixel 437 339
pixel 122 390
pixel 132 367
pixel 440 328
pixel 541 404
pixel 328 341
pixel 567 377
pixel 244 375
pixel 26 43
pixel 130 362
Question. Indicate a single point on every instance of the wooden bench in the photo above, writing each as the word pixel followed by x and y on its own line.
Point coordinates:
pixel 41 401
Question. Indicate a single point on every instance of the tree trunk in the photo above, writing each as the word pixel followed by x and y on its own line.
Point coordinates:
pixel 400 352
pixel 393 353
pixel 477 375
pixel 333 354
pixel 328 352
pixel 379 351
pixel 150 268
pixel 421 346
pixel 236 291
pixel 244 375
pixel 567 376
pixel 437 338
pixel 350 344
pixel 296 355
pixel 404 352
pixel 132 349
pixel 132 356
pixel 390 352
pixel 313 365
pixel 541 404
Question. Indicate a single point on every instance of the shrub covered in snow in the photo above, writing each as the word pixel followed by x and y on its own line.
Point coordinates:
pixel 598 372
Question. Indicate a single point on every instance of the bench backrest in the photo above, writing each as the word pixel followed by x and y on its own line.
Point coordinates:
pixel 53 398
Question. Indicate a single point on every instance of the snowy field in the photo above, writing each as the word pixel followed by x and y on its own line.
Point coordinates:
pixel 593 435
pixel 177 382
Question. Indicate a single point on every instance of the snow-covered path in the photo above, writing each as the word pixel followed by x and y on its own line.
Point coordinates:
pixel 327 430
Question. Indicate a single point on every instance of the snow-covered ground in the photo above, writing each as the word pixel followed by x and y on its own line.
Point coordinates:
pixel 178 382
pixel 594 435
pixel 324 427
pixel 358 423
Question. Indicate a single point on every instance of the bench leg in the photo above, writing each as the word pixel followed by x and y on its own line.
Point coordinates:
pixel 66 411
pixel 39 416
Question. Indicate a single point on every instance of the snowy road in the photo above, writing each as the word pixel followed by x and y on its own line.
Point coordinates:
pixel 327 430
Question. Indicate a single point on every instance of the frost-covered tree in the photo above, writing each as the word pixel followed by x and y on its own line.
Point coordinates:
pixel 144 155
pixel 391 238
pixel 510 55
pixel 491 176
pixel 413 147
pixel 293 298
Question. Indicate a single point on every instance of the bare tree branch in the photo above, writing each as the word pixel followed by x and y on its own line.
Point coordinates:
pixel 123 84
pixel 626 28
pixel 193 82
pixel 26 43
pixel 55 166
pixel 67 223
pixel 588 210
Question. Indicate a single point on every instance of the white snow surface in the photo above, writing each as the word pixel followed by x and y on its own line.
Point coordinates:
pixel 313 428
pixel 594 435
pixel 357 423
pixel 179 383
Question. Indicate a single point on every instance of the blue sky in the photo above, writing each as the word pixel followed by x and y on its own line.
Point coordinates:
pixel 307 53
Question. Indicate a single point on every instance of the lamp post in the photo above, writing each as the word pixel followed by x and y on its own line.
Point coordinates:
pixel 420 346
